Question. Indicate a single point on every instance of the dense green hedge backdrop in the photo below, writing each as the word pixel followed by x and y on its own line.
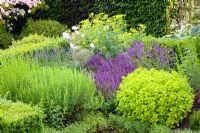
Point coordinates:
pixel 152 13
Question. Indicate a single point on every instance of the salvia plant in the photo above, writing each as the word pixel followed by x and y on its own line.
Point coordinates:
pixel 108 73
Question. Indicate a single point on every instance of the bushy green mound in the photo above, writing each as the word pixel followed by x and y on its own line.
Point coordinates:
pixel 156 97
pixel 6 38
pixel 40 44
pixel 19 118
pixel 90 123
pixel 49 28
pixel 30 40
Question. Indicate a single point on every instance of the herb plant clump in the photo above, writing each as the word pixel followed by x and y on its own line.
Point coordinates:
pixel 153 96
pixel 61 92
pixel 108 72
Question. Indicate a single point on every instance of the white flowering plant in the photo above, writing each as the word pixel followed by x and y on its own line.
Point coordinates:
pixel 80 54
pixel 74 38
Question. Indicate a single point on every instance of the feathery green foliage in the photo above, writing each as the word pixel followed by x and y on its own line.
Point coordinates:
pixel 160 129
pixel 62 92
pixel 195 121
pixel 12 72
pixel 185 131
pixel 124 125
pixel 190 65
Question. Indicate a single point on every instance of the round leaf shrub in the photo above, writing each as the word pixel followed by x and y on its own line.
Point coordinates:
pixel 47 28
pixel 6 38
pixel 153 96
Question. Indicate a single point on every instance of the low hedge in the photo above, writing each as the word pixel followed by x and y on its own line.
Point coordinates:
pixel 23 46
pixel 171 42
pixel 19 118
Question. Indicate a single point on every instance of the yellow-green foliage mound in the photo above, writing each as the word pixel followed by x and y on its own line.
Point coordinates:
pixel 20 118
pixel 156 97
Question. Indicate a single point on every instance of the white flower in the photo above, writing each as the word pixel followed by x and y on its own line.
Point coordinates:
pixel 66 36
pixel 29 11
pixel 82 35
pixel 92 45
pixel 73 46
pixel 77 32
pixel 74 28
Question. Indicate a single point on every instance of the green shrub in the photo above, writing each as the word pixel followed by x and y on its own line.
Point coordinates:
pixel 51 130
pixel 91 122
pixel 22 47
pixel 108 34
pixel 176 44
pixel 185 131
pixel 190 65
pixel 81 56
pixel 62 92
pixel 12 72
pixel 6 38
pixel 103 31
pixel 30 40
pixel 49 28
pixel 157 97
pixel 124 125
pixel 195 121
pixel 160 129
pixel 61 84
pixel 19 118
pixel 145 12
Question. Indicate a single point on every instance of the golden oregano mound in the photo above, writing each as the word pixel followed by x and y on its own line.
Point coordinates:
pixel 156 97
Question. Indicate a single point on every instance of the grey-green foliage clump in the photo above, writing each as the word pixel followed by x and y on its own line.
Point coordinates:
pixel 91 122
pixel 196 16
pixel 49 28
pixel 195 121
pixel 125 125
pixel 88 123
pixel 185 131
pixel 160 129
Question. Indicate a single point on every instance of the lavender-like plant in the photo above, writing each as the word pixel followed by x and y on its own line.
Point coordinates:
pixel 108 73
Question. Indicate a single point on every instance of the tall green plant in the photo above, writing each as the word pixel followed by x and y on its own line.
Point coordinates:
pixel 12 72
pixel 62 92
pixel 190 65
